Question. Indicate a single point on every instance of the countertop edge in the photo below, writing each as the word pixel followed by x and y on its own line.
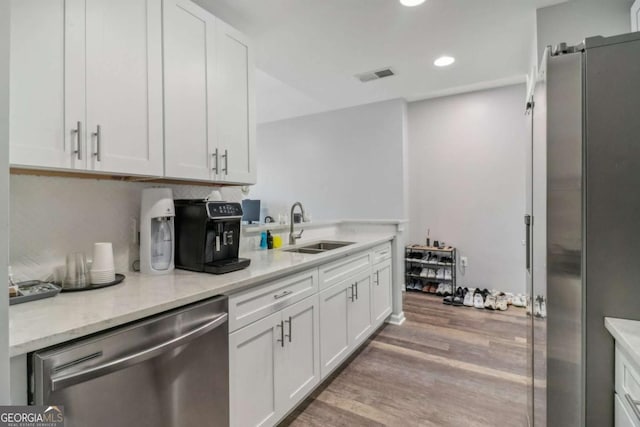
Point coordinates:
pixel 616 328
pixel 229 289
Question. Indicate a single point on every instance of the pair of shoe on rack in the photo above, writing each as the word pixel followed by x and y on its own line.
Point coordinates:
pixel 414 285
pixel 430 287
pixel 444 289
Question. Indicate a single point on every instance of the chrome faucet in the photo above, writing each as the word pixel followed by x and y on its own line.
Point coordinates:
pixel 293 237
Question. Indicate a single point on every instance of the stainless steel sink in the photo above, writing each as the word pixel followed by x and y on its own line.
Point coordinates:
pixel 319 247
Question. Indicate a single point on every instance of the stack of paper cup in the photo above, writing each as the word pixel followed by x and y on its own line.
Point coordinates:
pixel 102 269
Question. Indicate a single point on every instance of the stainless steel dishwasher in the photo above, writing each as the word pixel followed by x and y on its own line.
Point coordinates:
pixel 171 370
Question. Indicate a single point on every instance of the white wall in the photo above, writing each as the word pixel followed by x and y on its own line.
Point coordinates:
pixel 572 22
pixel 467 181
pixel 341 164
pixel 4 196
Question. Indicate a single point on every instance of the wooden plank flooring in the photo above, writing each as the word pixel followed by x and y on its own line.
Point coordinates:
pixel 445 366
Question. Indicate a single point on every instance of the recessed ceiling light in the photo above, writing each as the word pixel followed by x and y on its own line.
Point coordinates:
pixel 411 3
pixel 444 61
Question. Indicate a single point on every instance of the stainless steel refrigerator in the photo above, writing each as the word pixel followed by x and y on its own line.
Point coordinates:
pixel 583 225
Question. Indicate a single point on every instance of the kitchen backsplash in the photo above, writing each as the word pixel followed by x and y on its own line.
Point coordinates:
pixel 50 217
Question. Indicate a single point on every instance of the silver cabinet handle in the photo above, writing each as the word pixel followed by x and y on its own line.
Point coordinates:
pixel 225 156
pixel 634 405
pixel 377 278
pixel 288 322
pixel 356 285
pixel 281 326
pixel 98 135
pixel 352 294
pixel 215 156
pixel 130 360
pixel 77 132
pixel 282 295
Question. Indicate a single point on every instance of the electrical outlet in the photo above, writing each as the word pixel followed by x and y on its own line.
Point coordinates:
pixel 464 261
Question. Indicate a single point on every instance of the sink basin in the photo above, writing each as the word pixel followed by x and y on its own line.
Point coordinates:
pixel 319 247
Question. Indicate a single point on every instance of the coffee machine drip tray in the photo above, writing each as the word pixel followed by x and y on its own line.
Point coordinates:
pixel 226 265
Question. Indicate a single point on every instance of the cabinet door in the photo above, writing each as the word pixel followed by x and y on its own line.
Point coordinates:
pixel 46 38
pixel 124 85
pixel 360 310
pixel 253 355
pixel 381 292
pixel 334 325
pixel 235 106
pixel 622 416
pixel 301 358
pixel 189 61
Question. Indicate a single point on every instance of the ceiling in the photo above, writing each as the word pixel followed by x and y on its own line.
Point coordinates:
pixel 307 51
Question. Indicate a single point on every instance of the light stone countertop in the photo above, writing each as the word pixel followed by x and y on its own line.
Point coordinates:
pixel 39 324
pixel 627 334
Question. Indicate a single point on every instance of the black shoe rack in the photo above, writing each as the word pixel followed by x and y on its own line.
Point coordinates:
pixel 413 263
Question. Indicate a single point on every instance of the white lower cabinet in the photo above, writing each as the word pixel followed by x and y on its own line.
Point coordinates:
pixel 253 370
pixel 335 303
pixel 273 364
pixel 627 387
pixel 622 416
pixel 345 319
pixel 286 336
pixel 360 326
pixel 381 292
pixel 301 355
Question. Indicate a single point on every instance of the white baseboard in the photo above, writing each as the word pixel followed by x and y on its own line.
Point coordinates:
pixel 397 319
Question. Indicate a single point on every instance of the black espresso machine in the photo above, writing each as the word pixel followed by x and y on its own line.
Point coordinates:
pixel 208 236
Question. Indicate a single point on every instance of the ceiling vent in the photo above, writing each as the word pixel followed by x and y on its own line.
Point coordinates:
pixel 375 75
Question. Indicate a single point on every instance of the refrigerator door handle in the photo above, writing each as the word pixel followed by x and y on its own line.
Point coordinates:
pixel 130 360
pixel 527 223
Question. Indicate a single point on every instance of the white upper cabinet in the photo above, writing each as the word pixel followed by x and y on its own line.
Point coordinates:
pixel 131 87
pixel 82 65
pixel 189 66
pixel 209 111
pixel 635 16
pixel 38 135
pixel 235 106
pixel 124 85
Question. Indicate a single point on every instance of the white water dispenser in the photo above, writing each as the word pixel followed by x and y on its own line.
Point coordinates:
pixel 157 232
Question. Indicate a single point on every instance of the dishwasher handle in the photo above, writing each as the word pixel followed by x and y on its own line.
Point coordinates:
pixel 133 359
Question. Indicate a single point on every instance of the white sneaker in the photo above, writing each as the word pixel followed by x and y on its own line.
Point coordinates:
pixel 502 302
pixel 478 301
pixel 439 273
pixel 490 302
pixel 519 300
pixel 431 273
pixel 536 306
pixel 424 273
pixel 468 297
pixel 447 274
pixel 543 307
pixel 440 289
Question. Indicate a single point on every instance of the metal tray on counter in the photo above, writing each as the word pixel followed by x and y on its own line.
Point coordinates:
pixel 34 290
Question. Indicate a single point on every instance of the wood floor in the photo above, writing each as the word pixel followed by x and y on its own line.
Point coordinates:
pixel 445 366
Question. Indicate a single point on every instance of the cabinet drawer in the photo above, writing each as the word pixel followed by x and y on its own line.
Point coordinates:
pixel 381 253
pixel 340 270
pixel 256 303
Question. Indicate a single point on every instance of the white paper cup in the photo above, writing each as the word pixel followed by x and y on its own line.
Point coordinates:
pixel 102 257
